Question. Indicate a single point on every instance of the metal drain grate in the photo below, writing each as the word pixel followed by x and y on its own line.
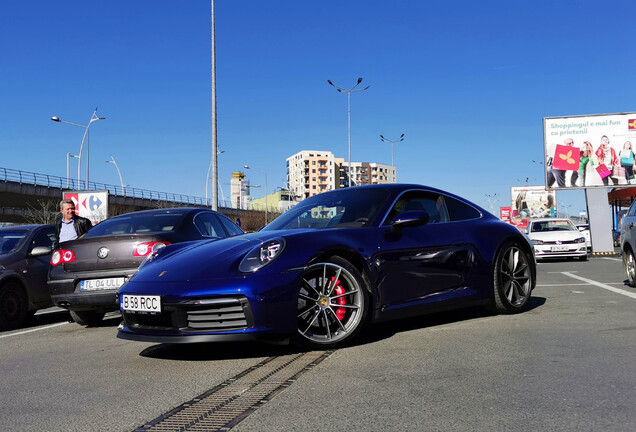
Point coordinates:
pixel 230 402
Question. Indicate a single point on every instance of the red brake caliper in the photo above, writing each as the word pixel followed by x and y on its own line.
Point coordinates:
pixel 339 290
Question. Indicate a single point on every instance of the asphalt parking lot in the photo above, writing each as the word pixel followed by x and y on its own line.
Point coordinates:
pixel 564 365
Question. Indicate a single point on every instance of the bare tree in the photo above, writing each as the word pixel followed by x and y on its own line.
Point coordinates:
pixel 44 212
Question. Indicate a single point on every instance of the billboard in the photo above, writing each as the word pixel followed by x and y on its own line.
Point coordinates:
pixel 92 205
pixel 531 202
pixel 589 151
pixel 504 213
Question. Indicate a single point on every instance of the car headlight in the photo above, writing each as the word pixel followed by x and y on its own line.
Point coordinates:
pixel 537 242
pixel 580 240
pixel 262 255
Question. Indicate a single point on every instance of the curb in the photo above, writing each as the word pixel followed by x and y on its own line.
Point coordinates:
pixel 600 254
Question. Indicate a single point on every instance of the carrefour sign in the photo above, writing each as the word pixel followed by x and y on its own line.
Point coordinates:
pixel 92 205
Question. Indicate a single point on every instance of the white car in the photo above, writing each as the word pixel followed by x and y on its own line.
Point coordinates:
pixel 556 238
pixel 585 230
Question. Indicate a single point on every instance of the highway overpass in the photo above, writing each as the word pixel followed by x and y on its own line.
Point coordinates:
pixel 22 193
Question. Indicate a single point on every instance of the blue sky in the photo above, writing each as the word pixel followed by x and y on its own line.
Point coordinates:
pixel 468 83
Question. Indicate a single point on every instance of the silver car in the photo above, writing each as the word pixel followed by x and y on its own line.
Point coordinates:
pixel 628 244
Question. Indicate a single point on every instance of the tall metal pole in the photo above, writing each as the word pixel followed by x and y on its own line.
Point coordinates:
pixel 94 118
pixel 401 138
pixel 118 172
pixel 265 173
pixel 351 90
pixel 349 129
pixel 68 155
pixel 215 174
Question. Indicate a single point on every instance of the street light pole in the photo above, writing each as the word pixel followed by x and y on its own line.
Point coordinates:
pixel 491 198
pixel 207 178
pixel 112 161
pixel 68 155
pixel 94 118
pixel 401 138
pixel 215 153
pixel 348 92
pixel 256 169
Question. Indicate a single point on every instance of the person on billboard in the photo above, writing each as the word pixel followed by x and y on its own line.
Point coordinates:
pixel 556 173
pixel 522 206
pixel 70 226
pixel 587 152
pixel 607 156
pixel 545 209
pixel 627 160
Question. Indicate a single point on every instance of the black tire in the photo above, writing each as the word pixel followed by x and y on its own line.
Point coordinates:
pixel 87 318
pixel 512 279
pixel 629 265
pixel 328 319
pixel 584 257
pixel 13 306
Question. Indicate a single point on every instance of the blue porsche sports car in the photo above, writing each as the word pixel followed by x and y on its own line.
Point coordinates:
pixel 334 262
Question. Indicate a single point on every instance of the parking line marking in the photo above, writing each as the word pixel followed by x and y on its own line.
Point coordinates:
pixel 601 285
pixel 33 330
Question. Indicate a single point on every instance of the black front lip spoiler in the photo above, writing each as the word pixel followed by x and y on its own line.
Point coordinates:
pixel 182 339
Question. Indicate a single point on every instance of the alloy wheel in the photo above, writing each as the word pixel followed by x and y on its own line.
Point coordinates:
pixel 331 304
pixel 515 277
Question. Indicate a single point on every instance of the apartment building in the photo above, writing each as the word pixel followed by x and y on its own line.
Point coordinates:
pixel 310 172
pixel 370 173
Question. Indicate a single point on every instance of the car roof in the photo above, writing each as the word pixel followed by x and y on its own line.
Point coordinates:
pixel 184 210
pixel 548 219
pixel 23 227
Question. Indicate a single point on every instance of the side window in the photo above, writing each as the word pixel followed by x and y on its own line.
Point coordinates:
pixel 232 229
pixel 44 238
pixel 458 210
pixel 431 203
pixel 632 209
pixel 209 225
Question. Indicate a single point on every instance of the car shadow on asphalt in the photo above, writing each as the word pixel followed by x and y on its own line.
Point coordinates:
pixel 43 319
pixel 373 333
pixel 385 330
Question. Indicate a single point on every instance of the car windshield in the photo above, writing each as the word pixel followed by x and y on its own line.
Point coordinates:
pixel 136 224
pixel 11 240
pixel 546 226
pixel 343 208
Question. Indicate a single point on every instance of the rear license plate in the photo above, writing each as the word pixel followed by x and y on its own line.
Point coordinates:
pixel 559 248
pixel 101 284
pixel 138 303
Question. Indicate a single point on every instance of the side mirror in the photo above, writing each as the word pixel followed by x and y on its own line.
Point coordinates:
pixel 40 251
pixel 412 218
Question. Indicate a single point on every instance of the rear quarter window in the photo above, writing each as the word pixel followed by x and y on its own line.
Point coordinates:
pixel 458 211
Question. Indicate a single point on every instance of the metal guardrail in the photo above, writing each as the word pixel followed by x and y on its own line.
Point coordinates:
pixel 45 180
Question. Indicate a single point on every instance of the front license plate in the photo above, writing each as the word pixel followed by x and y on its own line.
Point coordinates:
pixel 100 284
pixel 559 248
pixel 138 303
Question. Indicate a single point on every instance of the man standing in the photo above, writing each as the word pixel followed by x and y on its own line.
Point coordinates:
pixel 71 226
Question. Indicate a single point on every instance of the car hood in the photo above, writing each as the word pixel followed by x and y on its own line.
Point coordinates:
pixel 205 260
pixel 556 235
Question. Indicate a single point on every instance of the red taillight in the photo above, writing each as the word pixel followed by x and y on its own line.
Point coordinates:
pixel 62 256
pixel 143 249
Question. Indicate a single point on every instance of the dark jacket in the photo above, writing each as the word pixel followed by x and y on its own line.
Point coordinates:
pixel 81 225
